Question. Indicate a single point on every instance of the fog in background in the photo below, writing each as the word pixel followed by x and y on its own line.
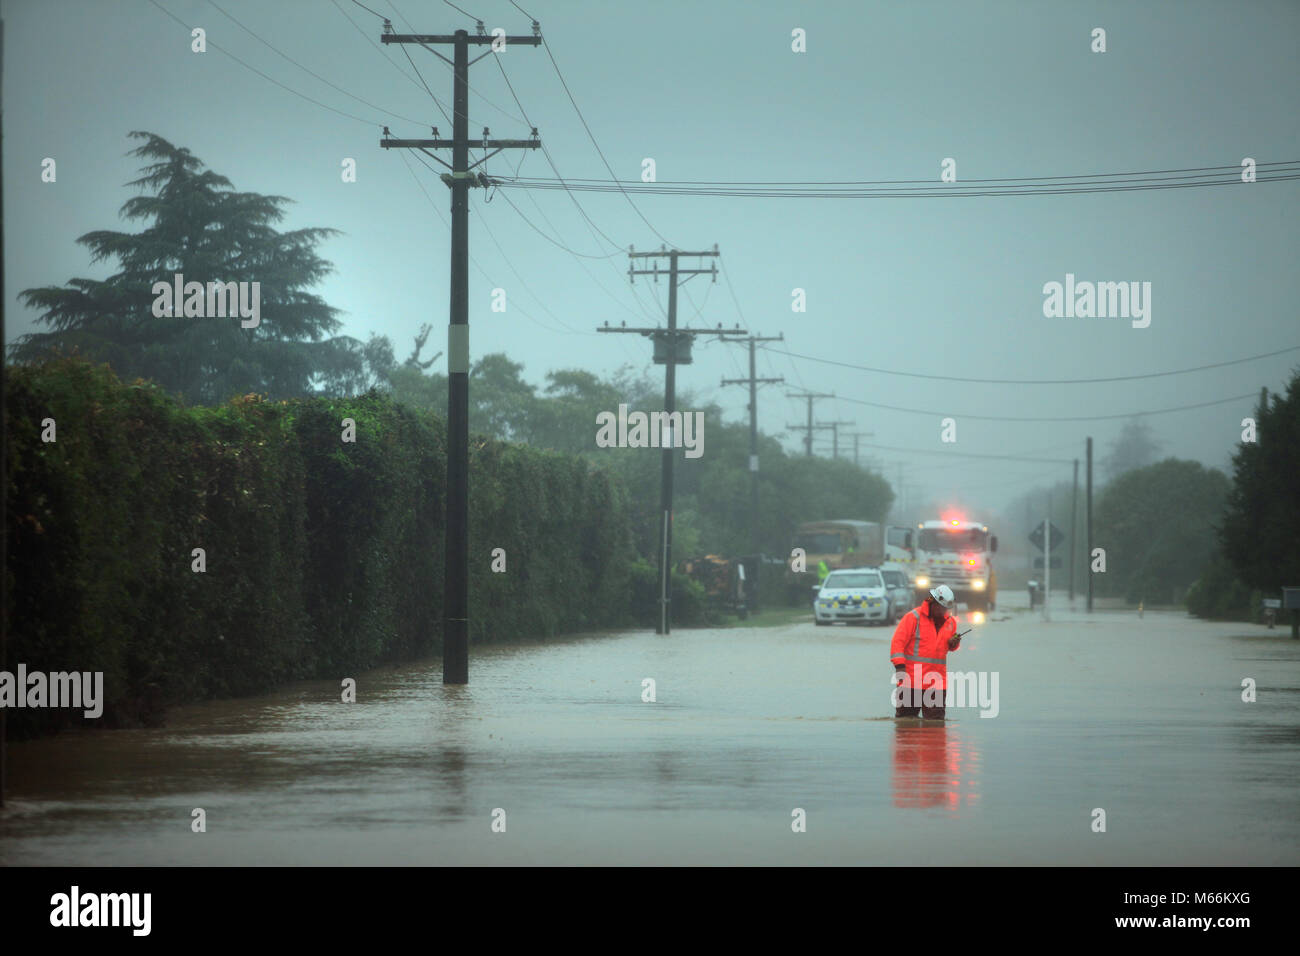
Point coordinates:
pixel 714 92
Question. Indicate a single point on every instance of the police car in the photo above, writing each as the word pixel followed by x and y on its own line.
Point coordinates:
pixel 900 589
pixel 854 596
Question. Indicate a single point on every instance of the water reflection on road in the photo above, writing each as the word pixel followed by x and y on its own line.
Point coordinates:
pixel 933 765
pixel 1143 719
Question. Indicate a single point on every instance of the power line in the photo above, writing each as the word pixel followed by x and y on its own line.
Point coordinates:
pixel 511 87
pixel 546 46
pixel 1034 381
pixel 372 42
pixel 554 242
pixel 551 162
pixel 582 265
pixel 934 190
pixel 269 79
pixel 436 102
pixel 527 288
pixel 448 66
pixel 306 69
pixel 364 7
pixel 1073 418
pixel 1010 180
pixel 966 454
pixel 466 12
pixel 483 272
pixel 443 61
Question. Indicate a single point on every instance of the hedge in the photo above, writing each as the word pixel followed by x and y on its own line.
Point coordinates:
pixel 323 557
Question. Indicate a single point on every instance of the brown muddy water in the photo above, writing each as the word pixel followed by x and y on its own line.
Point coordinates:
pixel 1142 718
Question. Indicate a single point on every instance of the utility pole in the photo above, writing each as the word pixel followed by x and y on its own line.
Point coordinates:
pixel 455 649
pixel 856 436
pixel 835 436
pixel 4 447
pixel 810 397
pixel 674 346
pixel 753 382
pixel 1047 559
pixel 1074 544
pixel 1088 520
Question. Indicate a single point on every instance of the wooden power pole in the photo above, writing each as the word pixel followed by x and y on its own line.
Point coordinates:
pixel 809 397
pixel 673 344
pixel 753 382
pixel 455 646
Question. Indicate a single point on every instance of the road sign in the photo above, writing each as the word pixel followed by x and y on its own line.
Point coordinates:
pixel 1036 537
pixel 1056 562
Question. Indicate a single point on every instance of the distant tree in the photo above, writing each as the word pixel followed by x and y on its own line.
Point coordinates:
pixel 1135 447
pixel 199 227
pixel 1260 528
pixel 565 417
pixel 413 360
pixel 415 389
pixel 1157 526
pixel 501 402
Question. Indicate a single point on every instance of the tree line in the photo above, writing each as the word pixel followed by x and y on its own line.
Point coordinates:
pixel 1174 530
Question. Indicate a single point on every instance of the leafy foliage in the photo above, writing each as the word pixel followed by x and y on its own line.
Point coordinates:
pixel 322 557
pixel 1260 529
pixel 1157 526
pixel 712 511
pixel 199 227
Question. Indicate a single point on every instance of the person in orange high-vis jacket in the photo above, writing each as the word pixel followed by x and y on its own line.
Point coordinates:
pixel 919 653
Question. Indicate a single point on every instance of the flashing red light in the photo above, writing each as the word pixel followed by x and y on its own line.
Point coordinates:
pixel 955 522
pixel 971 561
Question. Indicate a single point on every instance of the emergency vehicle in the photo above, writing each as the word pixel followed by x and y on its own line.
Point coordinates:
pixel 957 553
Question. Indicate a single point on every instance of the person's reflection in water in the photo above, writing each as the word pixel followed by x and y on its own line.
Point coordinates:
pixel 933 766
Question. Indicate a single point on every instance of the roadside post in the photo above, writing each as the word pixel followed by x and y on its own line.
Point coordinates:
pixel 1291 602
pixel 1271 607
pixel 1046 537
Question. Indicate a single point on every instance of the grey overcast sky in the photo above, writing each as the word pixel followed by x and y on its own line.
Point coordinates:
pixel 713 91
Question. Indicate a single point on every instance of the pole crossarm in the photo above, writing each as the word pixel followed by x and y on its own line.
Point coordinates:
pixel 445 38
pixel 662 331
pixel 497 144
pixel 673 255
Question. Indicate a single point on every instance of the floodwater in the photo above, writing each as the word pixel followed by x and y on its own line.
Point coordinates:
pixel 1140 718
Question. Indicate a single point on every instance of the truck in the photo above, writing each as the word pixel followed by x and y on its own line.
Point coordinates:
pixel 843 543
pixel 723 580
pixel 958 553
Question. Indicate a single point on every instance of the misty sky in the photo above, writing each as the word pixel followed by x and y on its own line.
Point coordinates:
pixel 712 91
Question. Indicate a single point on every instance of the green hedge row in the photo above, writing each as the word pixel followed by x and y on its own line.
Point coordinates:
pixel 322 557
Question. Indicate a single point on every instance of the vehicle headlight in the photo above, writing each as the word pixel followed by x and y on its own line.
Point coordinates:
pixel 978 584
pixel 922 581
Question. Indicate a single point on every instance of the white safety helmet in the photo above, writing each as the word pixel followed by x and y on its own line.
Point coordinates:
pixel 943 594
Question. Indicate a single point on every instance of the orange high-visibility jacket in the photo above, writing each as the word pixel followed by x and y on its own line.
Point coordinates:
pixel 923 651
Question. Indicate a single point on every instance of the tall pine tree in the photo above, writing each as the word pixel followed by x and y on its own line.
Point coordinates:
pixel 1260 528
pixel 201 228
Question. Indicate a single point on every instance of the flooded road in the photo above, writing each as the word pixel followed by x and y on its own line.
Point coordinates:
pixel 1141 718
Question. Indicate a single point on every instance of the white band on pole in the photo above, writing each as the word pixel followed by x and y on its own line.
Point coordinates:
pixel 458 348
